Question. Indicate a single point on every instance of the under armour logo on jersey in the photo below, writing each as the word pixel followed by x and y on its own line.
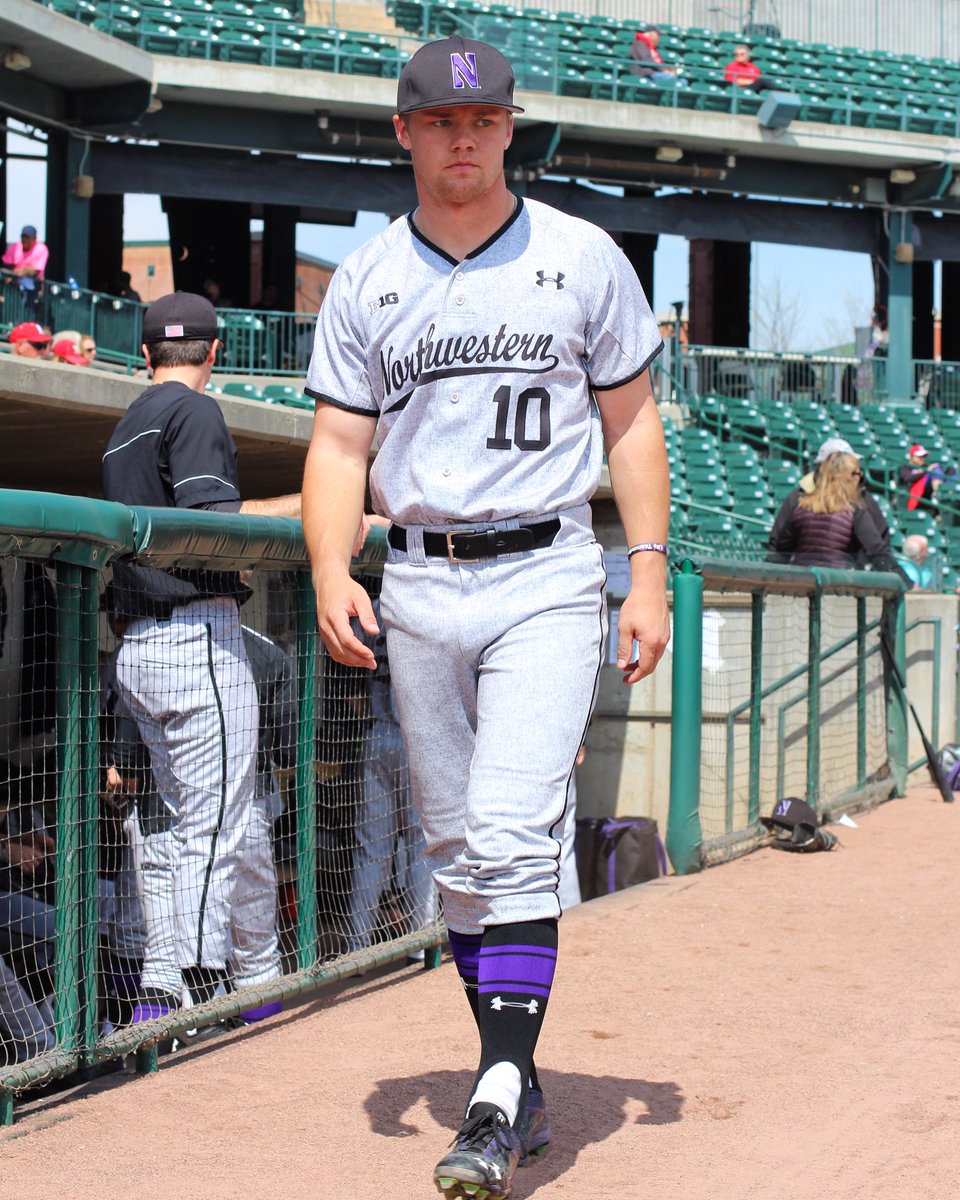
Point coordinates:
pixel 463 68
pixel 555 279
pixel 531 1006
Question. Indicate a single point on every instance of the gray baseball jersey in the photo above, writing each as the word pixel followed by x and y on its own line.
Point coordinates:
pixel 476 368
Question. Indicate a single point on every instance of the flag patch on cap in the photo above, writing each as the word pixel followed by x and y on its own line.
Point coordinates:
pixel 173 330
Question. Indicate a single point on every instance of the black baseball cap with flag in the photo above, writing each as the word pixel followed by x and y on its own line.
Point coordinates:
pixel 181 316
pixel 456 70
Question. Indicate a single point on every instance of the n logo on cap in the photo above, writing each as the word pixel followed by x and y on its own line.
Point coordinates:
pixel 463 68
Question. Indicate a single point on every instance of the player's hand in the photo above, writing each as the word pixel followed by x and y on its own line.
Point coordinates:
pixel 339 598
pixel 644 619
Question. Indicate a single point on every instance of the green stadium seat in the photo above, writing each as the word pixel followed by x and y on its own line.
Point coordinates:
pixel 238 45
pixel 320 53
pixel 357 58
pixel 572 83
pixel 307 403
pixel 281 52
pixel 159 37
pixel 711 97
pixel 281 393
pixel 247 391
pixel 639 91
pixel 711 524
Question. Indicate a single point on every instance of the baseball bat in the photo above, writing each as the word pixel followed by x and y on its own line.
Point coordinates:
pixel 933 761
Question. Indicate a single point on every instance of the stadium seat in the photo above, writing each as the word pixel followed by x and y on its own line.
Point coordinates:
pixel 247 391
pixel 281 393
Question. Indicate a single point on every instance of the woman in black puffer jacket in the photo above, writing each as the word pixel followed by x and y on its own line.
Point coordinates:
pixel 830 526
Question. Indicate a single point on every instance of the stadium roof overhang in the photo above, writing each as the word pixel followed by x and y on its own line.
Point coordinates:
pixel 232 114
pixel 78 410
pixel 76 75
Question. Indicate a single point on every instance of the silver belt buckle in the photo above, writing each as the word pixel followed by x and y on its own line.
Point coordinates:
pixel 450 552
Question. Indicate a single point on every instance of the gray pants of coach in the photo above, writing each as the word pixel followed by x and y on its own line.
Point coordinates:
pixel 495 666
pixel 188 685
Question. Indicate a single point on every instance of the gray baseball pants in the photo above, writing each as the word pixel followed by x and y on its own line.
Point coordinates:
pixel 495 666
pixel 187 683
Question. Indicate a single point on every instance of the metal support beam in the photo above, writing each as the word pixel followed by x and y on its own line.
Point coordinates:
pixel 900 306
pixel 68 215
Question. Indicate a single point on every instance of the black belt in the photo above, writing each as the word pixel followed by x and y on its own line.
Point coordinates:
pixel 470 545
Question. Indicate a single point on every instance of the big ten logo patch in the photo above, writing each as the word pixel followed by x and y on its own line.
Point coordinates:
pixel 383 301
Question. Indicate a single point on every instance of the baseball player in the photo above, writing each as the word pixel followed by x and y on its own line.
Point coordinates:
pixel 497 346
pixel 182 670
pixel 144 923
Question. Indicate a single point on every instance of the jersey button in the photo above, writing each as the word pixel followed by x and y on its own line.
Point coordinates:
pixel 446 470
pixel 459 275
pixel 458 300
pixel 455 398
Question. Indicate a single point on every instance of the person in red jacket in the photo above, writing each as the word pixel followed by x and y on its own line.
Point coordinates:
pixel 646 60
pixel 743 73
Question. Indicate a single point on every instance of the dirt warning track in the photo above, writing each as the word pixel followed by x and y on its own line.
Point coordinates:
pixel 783 1026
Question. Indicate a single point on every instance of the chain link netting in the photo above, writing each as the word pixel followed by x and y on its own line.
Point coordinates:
pixel 222 808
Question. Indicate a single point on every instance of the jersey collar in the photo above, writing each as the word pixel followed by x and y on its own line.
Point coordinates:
pixel 495 236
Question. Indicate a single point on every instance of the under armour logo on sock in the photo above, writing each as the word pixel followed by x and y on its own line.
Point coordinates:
pixel 531 1006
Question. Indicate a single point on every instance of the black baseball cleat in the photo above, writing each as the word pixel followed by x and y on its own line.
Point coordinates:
pixel 534 1128
pixel 482 1161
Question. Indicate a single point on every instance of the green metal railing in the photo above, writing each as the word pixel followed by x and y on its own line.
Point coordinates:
pixel 849 666
pixel 81 538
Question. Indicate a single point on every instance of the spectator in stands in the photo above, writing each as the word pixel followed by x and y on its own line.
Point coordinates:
pixel 913 561
pixel 214 293
pixel 122 288
pixel 27 259
pixel 269 298
pixel 921 479
pixel 836 445
pixel 743 73
pixel 88 348
pixel 830 525
pixel 30 340
pixel 646 61
pixel 67 350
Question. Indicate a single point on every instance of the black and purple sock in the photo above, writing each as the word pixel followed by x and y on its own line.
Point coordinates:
pixel 514 976
pixel 465 948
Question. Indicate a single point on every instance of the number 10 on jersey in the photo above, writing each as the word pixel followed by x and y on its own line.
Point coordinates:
pixel 536 397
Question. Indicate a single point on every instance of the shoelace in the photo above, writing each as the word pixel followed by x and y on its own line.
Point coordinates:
pixel 477 1132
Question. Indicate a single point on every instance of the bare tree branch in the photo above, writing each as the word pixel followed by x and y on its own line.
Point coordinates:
pixel 777 317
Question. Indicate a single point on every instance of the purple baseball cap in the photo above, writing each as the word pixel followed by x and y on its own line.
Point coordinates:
pixel 456 70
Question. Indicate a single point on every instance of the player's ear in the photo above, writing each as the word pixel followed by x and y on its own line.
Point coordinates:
pixel 509 130
pixel 400 129
pixel 146 353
